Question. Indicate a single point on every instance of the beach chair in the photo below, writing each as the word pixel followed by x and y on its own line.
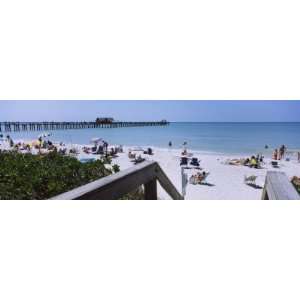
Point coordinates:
pixel 199 178
pixel 195 162
pixel 183 161
pixel 250 179
pixel 274 164
pixel 131 155
pixel 138 160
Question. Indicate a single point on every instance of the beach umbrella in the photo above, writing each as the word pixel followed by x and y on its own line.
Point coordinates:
pixel 96 140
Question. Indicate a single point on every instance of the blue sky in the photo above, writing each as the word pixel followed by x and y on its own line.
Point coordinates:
pixel 193 111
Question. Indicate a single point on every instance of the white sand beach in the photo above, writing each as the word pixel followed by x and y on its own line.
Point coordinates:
pixel 223 182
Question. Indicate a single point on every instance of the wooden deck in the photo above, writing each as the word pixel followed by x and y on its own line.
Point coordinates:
pixel 117 185
pixel 278 187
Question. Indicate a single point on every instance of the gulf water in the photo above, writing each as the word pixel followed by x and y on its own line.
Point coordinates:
pixel 226 138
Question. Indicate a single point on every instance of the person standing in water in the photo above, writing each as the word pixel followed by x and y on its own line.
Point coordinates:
pixel 170 144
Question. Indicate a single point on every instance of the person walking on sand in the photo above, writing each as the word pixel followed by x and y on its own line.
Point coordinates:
pixel 10 141
pixel 282 151
pixel 275 154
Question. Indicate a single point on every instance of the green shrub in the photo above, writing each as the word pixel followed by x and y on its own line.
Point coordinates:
pixel 27 176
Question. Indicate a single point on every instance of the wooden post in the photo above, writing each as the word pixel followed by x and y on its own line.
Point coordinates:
pixel 151 190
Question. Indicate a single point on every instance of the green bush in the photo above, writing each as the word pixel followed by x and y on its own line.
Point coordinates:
pixel 27 176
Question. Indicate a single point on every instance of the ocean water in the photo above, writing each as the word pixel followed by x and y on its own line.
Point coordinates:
pixel 225 138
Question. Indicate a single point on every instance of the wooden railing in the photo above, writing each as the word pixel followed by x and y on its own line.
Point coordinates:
pixel 278 187
pixel 123 182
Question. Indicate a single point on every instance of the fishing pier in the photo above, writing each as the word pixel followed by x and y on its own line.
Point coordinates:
pixel 45 126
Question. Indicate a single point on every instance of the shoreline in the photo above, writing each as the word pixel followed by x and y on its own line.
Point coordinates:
pixel 224 181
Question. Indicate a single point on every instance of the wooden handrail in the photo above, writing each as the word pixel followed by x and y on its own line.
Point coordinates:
pixel 278 187
pixel 123 182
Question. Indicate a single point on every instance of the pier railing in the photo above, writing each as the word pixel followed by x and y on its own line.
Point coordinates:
pixel 117 185
pixel 278 187
pixel 37 126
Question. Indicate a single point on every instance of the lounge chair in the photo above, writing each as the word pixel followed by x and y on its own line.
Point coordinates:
pixel 274 164
pixel 195 162
pixel 250 179
pixel 138 160
pixel 131 155
pixel 183 161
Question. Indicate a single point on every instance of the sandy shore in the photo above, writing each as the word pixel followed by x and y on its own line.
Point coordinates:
pixel 224 181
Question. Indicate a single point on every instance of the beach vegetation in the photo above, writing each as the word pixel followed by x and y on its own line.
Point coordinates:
pixel 27 176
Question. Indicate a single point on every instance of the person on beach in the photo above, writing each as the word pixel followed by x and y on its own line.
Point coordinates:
pixel 40 142
pixel 299 157
pixel 275 154
pixel 170 144
pixel 282 151
pixel 184 148
pixel 105 146
pixel 253 162
pixel 10 141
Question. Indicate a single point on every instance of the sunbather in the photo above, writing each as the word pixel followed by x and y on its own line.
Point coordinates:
pixel 253 162
pixel 199 178
pixel 139 159
pixel 235 161
pixel 131 155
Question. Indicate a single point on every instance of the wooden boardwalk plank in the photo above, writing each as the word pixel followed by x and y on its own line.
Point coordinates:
pixel 123 182
pixel 278 187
